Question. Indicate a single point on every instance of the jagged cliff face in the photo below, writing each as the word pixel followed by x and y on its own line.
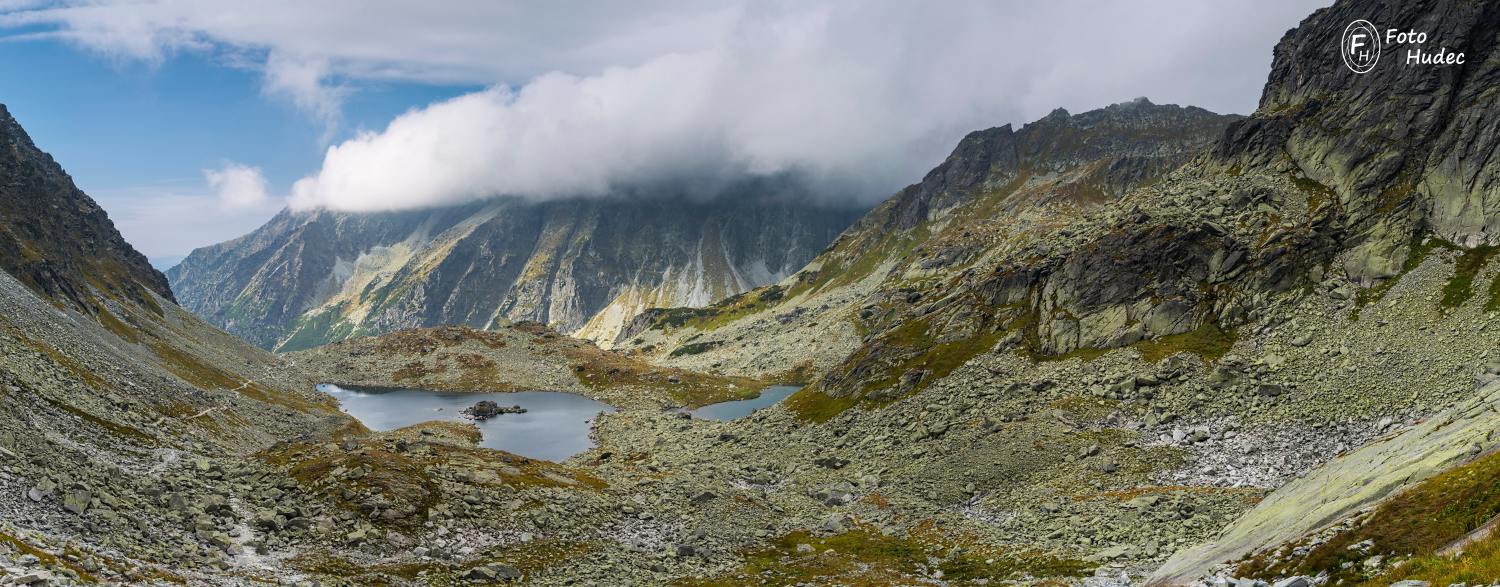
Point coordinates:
pixel 1407 148
pixel 583 266
pixel 55 239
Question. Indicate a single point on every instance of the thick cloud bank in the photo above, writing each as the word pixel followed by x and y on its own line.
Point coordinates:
pixel 863 96
pixel 559 135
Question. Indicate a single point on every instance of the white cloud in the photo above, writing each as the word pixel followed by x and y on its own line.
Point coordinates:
pixel 584 96
pixel 559 135
pixel 169 219
pixel 237 186
pixel 305 82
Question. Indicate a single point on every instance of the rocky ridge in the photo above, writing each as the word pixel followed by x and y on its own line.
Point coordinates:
pixel 1000 188
pixel 1282 200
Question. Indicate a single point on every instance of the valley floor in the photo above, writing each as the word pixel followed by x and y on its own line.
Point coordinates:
pixel 1084 470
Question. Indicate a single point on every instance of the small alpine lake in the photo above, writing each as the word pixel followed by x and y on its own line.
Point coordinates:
pixel 554 426
pixel 736 409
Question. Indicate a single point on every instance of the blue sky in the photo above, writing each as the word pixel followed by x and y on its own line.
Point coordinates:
pixel 137 136
pixel 194 121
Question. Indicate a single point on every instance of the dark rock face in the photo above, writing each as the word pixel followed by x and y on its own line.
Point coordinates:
pixel 55 239
pixel 1405 146
pixel 309 278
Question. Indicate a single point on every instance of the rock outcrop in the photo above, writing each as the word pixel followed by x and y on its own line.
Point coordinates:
pixel 1346 485
pixel 1405 148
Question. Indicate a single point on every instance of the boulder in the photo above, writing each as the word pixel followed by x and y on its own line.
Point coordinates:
pixel 78 500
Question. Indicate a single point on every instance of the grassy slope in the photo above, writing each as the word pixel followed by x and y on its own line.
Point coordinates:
pixel 1416 523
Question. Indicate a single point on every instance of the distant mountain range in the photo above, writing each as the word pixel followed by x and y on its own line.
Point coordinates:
pixel 583 266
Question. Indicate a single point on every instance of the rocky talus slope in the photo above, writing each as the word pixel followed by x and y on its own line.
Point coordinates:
pixel 581 266
pixel 116 401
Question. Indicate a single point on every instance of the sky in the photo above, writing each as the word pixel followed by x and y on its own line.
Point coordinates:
pixel 194 121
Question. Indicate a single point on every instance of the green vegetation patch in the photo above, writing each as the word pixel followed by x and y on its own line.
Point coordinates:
pixel 317 330
pixel 1479 564
pixel 935 359
pixel 724 311
pixel 864 556
pixel 1317 194
pixel 1208 341
pixel 110 322
pixel 83 373
pixel 857 259
pixel 1419 522
pixel 696 348
pixel 879 373
pixel 1460 287
pixel 813 405
pixel 47 558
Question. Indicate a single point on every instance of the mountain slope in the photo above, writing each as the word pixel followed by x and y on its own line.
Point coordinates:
pixel 124 414
pixel 582 266
pixel 63 247
pixel 999 189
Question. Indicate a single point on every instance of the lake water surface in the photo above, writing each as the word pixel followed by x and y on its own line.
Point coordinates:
pixel 554 427
pixel 734 410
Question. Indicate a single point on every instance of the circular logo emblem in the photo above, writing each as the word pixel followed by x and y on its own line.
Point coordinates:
pixel 1360 46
